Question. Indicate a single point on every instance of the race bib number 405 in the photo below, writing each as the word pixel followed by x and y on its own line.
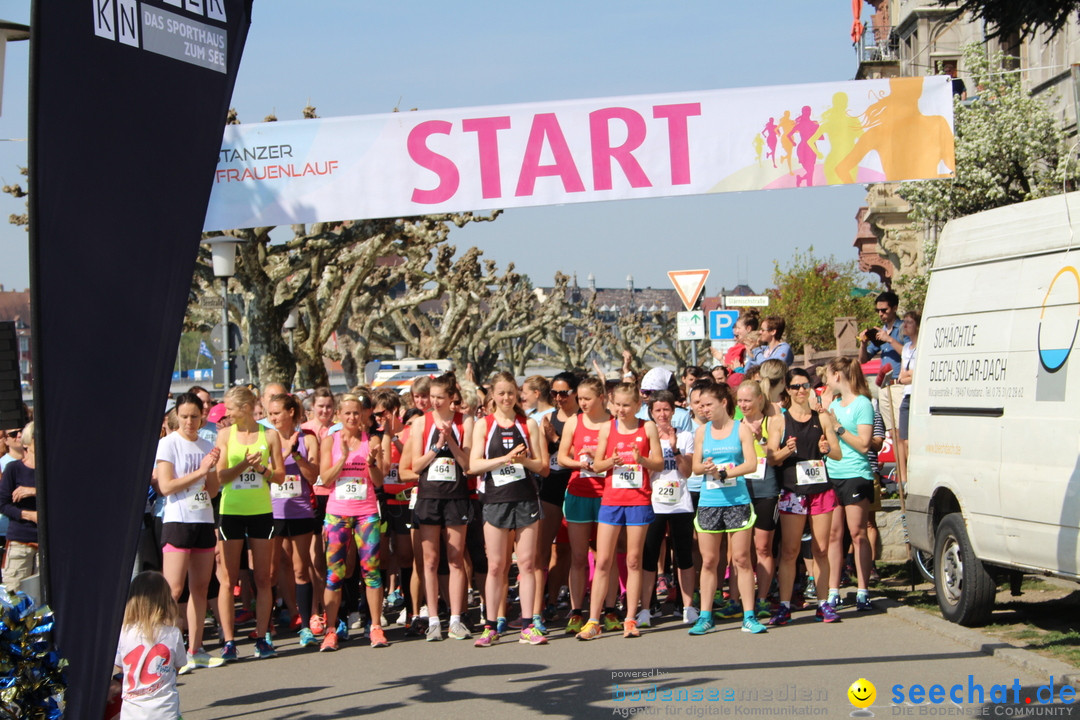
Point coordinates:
pixel 810 472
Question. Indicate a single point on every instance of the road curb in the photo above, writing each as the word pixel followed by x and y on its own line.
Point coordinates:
pixel 976 640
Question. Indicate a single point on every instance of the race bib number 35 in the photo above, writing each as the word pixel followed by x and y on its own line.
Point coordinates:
pixel 442 470
pixel 248 480
pixel 350 488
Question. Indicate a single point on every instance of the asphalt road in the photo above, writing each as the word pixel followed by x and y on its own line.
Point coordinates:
pixel 803 669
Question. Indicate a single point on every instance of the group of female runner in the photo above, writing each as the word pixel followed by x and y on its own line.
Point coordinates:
pixel 463 486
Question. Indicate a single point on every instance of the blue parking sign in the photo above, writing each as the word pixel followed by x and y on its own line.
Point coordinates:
pixel 722 324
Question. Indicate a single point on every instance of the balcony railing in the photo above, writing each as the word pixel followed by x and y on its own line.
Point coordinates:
pixel 877 43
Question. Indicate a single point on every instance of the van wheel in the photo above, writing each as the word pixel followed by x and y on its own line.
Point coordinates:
pixel 965 591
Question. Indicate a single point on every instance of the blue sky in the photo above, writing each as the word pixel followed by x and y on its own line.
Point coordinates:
pixel 356 57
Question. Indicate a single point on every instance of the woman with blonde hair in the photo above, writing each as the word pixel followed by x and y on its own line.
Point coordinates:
pixel 772 377
pixel 250 459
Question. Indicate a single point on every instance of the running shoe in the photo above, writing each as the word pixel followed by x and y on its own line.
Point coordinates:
pixel 517 624
pixel 487 638
pixel 703 625
pixel 317 623
pixel 501 626
pixel 329 643
pixel 203 659
pixel 591 631
pixel 550 612
pixel 836 602
pixel 228 651
pixel 752 625
pixel 538 623
pixel 434 633
pixel 826 613
pixel 630 629
pixel 644 619
pixel 532 636
pixel 187 667
pixel 417 627
pixel 728 610
pixel 458 631
pixel 403 617
pixel 263 648
pixel 394 600
pixel 243 616
pixel 690 615
pixel 355 621
pixel 662 588
pixel 342 631
pixel 811 588
pixel 378 637
pixel 575 624
pixel 782 616
pixel 307 637
pixel 762 608
pixel 611 623
pixel 862 603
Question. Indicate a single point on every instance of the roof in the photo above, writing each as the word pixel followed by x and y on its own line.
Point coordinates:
pixel 14 304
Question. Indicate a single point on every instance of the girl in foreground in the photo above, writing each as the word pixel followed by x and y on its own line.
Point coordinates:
pixel 150 651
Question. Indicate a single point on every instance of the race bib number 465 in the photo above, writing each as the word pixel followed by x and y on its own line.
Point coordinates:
pixel 507 474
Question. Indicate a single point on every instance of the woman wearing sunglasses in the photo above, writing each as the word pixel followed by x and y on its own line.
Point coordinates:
pixel 798 440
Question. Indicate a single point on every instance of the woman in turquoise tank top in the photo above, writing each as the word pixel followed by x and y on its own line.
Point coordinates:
pixel 724 454
pixel 250 460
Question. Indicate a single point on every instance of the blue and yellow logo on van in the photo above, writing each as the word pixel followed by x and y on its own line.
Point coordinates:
pixel 1059 323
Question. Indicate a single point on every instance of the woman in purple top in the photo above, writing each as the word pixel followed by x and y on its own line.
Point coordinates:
pixel 294 514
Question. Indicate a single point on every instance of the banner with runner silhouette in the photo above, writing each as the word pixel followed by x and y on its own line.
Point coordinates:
pixel 402 164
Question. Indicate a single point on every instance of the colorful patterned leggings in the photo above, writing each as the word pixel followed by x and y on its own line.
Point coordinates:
pixel 365 532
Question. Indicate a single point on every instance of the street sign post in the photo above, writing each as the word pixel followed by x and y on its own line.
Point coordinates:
pixel 689 284
pixel 746 300
pixel 722 324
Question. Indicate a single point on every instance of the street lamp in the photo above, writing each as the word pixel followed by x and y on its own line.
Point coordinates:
pixel 290 325
pixel 223 251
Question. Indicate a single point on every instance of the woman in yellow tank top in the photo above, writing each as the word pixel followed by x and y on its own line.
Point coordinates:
pixel 250 459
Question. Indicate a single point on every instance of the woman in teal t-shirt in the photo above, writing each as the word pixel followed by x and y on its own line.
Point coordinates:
pixel 852 415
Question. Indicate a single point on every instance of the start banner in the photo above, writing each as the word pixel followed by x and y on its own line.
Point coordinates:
pixel 415 163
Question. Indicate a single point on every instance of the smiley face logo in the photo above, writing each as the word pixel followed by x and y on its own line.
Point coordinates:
pixel 862 693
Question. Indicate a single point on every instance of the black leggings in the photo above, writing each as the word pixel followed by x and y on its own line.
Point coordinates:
pixel 682 540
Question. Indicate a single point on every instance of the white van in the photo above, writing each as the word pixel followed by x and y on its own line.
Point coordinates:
pixel 994 477
pixel 399 374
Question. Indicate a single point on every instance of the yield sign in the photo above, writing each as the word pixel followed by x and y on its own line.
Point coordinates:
pixel 689 284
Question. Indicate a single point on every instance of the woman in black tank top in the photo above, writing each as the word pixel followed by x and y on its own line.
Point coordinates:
pixel 798 442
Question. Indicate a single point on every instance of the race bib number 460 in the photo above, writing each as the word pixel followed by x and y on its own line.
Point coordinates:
pixel 628 477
